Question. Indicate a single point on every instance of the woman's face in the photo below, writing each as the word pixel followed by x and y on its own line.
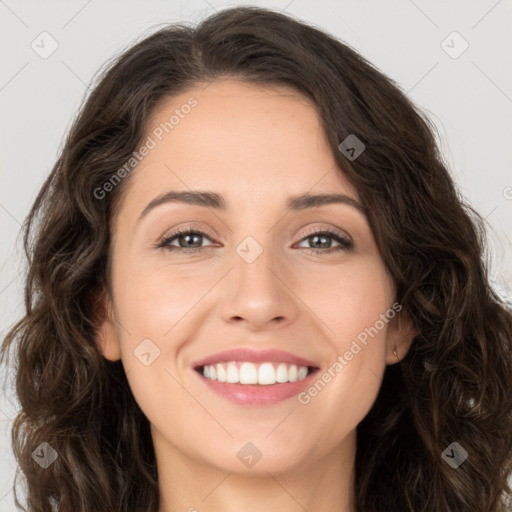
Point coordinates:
pixel 254 279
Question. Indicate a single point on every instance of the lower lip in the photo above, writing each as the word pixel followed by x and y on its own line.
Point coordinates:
pixel 255 394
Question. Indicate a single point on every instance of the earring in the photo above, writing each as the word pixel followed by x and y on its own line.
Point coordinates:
pixel 396 353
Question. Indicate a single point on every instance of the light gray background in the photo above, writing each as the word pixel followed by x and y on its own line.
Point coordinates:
pixel 469 98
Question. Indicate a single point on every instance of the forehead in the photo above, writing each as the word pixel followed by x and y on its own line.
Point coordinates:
pixel 252 144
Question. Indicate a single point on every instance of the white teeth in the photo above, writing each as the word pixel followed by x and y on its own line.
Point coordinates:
pixel 221 373
pixel 302 373
pixel 248 374
pixel 264 374
pixel 282 373
pixel 292 373
pixel 232 374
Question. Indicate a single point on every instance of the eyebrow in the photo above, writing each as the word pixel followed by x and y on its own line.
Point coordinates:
pixel 216 201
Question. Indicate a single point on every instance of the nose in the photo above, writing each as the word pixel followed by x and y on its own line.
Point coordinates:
pixel 259 294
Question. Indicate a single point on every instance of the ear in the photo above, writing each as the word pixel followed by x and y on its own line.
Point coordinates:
pixel 401 333
pixel 105 326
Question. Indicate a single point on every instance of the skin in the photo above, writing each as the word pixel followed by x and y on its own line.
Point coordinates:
pixel 256 147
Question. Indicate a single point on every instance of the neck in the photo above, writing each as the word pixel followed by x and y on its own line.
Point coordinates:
pixel 316 484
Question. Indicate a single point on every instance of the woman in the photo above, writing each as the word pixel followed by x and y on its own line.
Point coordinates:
pixel 253 286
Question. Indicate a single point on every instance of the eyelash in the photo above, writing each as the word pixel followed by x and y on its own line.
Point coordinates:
pixel 345 243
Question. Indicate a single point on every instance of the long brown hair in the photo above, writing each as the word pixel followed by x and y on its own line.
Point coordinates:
pixel 454 385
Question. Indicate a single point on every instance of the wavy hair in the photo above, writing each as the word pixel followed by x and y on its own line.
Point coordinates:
pixel 455 383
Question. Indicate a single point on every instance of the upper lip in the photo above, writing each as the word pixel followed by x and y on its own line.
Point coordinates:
pixel 254 356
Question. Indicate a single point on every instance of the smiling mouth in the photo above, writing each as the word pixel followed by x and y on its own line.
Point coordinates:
pixel 260 374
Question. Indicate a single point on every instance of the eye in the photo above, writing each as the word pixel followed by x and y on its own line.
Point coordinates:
pixel 320 239
pixel 191 240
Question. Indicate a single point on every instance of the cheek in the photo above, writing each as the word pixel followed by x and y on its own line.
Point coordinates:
pixel 348 299
pixel 155 299
pixel 154 306
pixel 355 309
pixel 161 309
